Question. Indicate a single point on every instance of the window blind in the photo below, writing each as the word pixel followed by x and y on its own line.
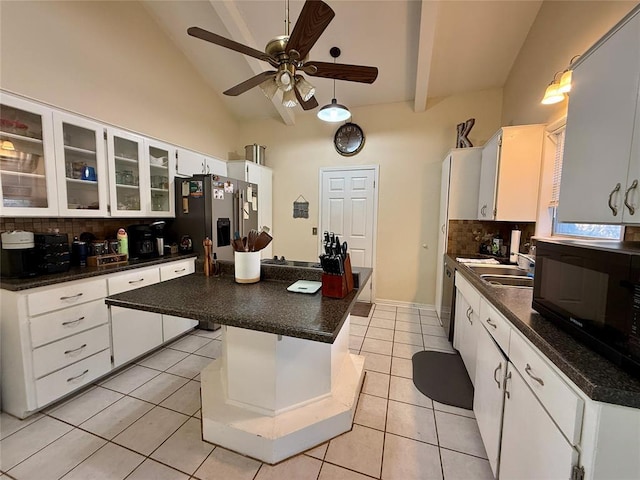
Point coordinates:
pixel 557 168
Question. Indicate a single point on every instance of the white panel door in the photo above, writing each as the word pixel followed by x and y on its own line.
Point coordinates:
pixel 348 209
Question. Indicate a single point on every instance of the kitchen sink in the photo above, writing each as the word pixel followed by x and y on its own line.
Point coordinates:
pixel 510 280
pixel 510 270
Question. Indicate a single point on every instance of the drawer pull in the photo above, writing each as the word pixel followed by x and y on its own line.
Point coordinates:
pixel 136 281
pixel 537 379
pixel 77 295
pixel 67 352
pixel 179 270
pixel 491 323
pixel 495 372
pixel 78 376
pixel 73 323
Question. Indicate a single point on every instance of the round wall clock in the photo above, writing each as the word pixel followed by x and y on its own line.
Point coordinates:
pixel 349 139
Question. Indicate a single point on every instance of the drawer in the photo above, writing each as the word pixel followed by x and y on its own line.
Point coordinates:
pixel 54 326
pixel 69 350
pixel 558 398
pixel 141 277
pixel 497 326
pixel 177 269
pixel 58 384
pixel 470 294
pixel 66 295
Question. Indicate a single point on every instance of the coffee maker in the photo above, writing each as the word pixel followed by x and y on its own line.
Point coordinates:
pixel 18 255
pixel 158 232
pixel 142 242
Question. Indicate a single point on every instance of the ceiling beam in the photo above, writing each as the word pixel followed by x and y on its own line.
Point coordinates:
pixel 428 18
pixel 238 30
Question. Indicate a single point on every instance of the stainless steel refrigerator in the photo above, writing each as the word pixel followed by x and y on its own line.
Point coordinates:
pixel 215 207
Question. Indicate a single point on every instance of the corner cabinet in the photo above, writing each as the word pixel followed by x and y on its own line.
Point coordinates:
pixel 263 177
pixel 458 200
pixel 81 163
pixel 601 165
pixel 510 174
pixel 27 159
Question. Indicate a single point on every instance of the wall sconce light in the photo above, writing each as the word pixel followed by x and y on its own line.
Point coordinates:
pixel 556 90
pixel 553 94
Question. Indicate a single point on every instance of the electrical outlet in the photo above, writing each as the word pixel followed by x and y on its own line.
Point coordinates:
pixel 314 231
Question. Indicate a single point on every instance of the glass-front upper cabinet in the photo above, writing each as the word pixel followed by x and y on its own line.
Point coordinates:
pixel 27 164
pixel 81 166
pixel 129 179
pixel 161 167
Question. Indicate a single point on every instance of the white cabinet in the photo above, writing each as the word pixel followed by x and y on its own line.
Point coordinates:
pixel 510 174
pixel 263 177
pixel 160 166
pixel 81 162
pixel 532 445
pixel 467 325
pixel 173 326
pixel 488 397
pixel 134 333
pixel 27 166
pixel 193 163
pixel 601 165
pixel 125 152
pixel 458 200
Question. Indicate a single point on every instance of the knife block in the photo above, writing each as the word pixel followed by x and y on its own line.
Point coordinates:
pixel 338 286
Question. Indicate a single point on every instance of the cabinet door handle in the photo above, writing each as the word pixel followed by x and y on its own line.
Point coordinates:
pixel 495 372
pixel 208 169
pixel 72 322
pixel 632 209
pixel 136 281
pixel 488 320
pixel 507 377
pixel 613 208
pixel 71 379
pixel 528 369
pixel 442 228
pixel 483 211
pixel 179 270
pixel 203 166
pixel 67 352
pixel 70 297
pixel 469 313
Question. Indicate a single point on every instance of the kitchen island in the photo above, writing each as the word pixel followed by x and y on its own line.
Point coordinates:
pixel 285 381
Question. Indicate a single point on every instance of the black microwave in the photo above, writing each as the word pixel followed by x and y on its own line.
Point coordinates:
pixel 592 290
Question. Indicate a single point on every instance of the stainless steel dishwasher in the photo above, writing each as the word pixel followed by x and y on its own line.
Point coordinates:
pixel 447 308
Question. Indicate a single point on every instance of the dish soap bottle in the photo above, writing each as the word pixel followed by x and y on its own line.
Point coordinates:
pixel 123 242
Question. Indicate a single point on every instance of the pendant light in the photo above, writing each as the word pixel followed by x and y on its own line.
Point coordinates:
pixel 334 112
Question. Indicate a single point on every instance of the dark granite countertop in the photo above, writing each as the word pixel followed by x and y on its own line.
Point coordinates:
pixel 597 377
pixel 78 273
pixel 265 306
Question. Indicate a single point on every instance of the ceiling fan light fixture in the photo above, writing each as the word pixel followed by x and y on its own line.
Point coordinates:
pixel 334 112
pixel 289 98
pixel 305 89
pixel 269 88
pixel 285 78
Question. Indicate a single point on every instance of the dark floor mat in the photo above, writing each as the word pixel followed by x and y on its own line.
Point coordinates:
pixel 361 309
pixel 442 377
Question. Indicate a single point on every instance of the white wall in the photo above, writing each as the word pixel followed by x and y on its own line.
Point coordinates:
pixel 112 62
pixel 409 148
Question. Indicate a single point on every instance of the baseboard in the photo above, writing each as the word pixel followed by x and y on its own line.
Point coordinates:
pixel 396 303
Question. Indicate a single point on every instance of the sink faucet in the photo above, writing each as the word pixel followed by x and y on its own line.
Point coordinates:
pixel 527 262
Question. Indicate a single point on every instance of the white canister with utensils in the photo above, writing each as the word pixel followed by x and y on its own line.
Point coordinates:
pixel 247 267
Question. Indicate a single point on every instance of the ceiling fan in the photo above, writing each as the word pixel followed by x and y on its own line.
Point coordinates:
pixel 288 55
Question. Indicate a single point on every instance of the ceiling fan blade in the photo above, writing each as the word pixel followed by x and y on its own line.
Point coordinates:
pixel 313 20
pixel 309 104
pixel 249 84
pixel 230 44
pixel 342 71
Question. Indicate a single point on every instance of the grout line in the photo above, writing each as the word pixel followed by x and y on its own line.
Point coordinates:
pixel 347 468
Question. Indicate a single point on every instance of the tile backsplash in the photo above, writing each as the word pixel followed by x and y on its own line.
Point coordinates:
pixel 465 236
pixel 632 234
pixel 102 228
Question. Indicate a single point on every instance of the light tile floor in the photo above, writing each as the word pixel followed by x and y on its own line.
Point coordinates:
pixel 144 423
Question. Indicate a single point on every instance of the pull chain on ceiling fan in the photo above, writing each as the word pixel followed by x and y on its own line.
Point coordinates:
pixel 288 55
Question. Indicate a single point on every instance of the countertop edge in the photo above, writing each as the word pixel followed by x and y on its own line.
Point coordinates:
pixel 590 386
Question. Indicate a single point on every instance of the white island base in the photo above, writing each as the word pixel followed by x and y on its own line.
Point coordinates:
pixel 271 397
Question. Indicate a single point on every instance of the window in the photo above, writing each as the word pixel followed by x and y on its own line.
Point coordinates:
pixel 587 230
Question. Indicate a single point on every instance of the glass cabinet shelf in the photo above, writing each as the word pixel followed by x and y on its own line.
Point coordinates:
pixel 22 138
pixel 83 151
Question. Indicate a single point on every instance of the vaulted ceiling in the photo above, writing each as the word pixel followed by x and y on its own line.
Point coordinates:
pixel 422 48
